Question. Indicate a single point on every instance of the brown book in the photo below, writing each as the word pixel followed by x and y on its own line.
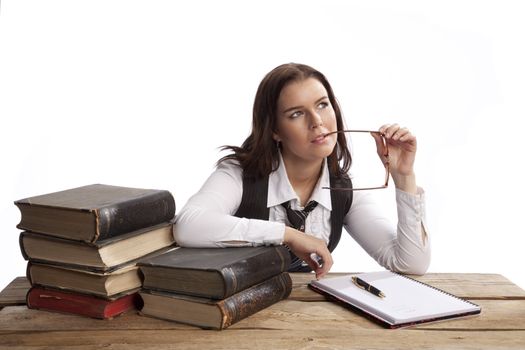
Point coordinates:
pixel 216 314
pixel 107 255
pixel 95 212
pixel 213 273
pixel 80 304
pixel 102 284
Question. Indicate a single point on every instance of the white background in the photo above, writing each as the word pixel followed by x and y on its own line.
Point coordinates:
pixel 141 93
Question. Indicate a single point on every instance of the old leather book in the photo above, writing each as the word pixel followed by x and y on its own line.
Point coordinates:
pixel 81 304
pixel 213 273
pixel 106 255
pixel 216 314
pixel 102 284
pixel 95 212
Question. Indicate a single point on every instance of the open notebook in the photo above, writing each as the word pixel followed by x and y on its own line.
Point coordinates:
pixel 407 301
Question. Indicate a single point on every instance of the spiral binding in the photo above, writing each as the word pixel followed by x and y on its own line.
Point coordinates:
pixel 435 288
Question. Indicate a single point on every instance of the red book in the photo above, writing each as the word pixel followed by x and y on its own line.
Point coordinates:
pixel 78 303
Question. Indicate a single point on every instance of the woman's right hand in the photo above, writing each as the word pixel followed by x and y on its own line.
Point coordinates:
pixel 303 246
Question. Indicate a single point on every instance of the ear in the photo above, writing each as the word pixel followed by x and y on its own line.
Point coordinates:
pixel 276 136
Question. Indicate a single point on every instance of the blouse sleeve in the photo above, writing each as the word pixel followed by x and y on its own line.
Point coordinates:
pixel 405 249
pixel 207 218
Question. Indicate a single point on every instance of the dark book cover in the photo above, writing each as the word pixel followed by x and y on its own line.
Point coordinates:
pixel 216 314
pixel 213 272
pixel 80 304
pixel 95 212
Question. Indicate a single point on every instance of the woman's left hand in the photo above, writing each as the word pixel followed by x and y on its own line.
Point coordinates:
pixel 402 146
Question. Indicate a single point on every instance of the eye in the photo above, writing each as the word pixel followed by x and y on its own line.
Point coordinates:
pixel 323 105
pixel 296 114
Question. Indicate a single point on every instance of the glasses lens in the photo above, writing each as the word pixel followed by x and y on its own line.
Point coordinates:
pixel 367 170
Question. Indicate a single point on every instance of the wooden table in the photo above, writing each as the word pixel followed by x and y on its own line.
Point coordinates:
pixel 304 321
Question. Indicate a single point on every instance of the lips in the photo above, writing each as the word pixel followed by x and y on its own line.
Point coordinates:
pixel 319 138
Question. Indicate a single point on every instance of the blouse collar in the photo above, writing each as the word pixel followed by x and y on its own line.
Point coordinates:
pixel 280 190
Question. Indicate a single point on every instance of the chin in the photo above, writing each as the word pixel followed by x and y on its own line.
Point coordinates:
pixel 323 152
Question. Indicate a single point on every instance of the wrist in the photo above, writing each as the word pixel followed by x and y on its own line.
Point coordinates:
pixel 289 235
pixel 406 183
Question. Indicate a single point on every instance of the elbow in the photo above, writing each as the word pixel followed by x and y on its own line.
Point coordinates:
pixel 183 233
pixel 184 238
pixel 417 270
pixel 415 267
pixel 181 238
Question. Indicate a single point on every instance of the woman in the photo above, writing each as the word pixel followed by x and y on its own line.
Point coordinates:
pixel 283 166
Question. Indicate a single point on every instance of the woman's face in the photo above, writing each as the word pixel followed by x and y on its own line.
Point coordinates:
pixel 304 115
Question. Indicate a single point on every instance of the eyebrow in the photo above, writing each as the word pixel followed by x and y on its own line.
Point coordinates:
pixel 297 107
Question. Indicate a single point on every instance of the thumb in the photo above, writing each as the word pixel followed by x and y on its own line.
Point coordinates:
pixel 381 148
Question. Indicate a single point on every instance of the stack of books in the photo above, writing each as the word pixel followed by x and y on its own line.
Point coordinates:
pixel 83 246
pixel 214 288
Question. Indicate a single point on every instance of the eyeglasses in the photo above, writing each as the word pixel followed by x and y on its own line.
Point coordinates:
pixel 385 162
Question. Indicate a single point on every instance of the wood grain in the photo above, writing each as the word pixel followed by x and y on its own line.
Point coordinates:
pixel 285 315
pixel 266 339
pixel 304 321
pixel 15 292
pixel 471 286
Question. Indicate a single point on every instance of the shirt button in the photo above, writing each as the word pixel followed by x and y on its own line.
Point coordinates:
pixel 315 228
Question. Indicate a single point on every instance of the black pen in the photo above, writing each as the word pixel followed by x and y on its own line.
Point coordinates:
pixel 368 287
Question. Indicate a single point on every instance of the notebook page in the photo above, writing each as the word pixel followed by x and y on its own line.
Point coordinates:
pixel 406 300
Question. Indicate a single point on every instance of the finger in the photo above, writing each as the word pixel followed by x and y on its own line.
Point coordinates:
pixel 383 128
pixel 407 141
pixel 327 264
pixel 317 260
pixel 408 137
pixel 380 146
pixel 320 272
pixel 379 143
pixel 391 130
pixel 314 265
pixel 399 133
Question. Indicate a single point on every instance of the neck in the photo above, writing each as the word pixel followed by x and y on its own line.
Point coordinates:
pixel 303 176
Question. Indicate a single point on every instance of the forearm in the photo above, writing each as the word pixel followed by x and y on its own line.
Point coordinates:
pixel 199 227
pixel 403 248
pixel 207 219
pixel 411 251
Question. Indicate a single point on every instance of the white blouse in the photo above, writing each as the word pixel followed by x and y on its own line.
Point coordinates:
pixel 207 219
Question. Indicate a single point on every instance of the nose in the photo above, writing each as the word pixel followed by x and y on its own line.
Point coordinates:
pixel 316 120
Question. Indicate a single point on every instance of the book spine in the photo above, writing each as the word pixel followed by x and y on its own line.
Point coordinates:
pixel 77 303
pixel 28 273
pixel 134 214
pixel 254 299
pixel 246 273
pixel 21 244
pixel 123 304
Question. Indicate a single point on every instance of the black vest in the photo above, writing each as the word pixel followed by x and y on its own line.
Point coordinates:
pixel 255 197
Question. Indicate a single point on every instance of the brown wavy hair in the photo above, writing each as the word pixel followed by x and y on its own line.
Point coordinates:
pixel 258 156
